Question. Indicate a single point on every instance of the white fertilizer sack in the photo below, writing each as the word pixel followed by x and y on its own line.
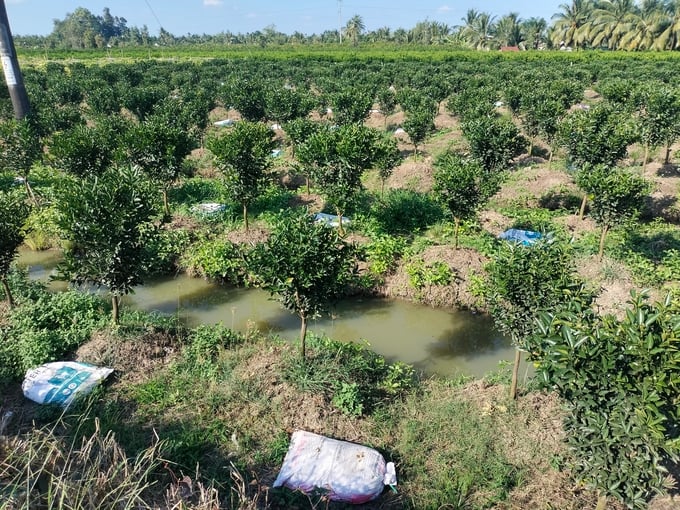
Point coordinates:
pixel 61 382
pixel 346 471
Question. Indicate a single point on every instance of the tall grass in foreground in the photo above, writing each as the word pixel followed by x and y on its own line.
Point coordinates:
pixel 47 469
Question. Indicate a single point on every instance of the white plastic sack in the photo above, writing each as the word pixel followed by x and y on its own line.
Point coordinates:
pixel 347 471
pixel 61 381
pixel 330 220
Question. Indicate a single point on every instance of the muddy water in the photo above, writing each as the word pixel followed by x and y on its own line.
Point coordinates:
pixel 441 342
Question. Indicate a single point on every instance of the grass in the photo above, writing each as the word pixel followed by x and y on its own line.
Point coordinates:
pixel 225 406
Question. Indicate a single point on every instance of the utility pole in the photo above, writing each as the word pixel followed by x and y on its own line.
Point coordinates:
pixel 10 66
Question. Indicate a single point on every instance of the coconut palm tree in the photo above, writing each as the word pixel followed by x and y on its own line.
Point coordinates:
pixel 509 30
pixel 354 28
pixel 569 24
pixel 669 36
pixel 610 21
pixel 644 26
pixel 478 29
pixel 535 32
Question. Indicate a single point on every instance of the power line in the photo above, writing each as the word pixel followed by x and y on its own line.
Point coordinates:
pixel 153 14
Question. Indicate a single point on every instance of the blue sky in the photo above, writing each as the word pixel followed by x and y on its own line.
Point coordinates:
pixel 180 17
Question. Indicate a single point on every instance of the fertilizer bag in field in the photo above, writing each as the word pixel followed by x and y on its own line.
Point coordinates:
pixel 61 382
pixel 345 471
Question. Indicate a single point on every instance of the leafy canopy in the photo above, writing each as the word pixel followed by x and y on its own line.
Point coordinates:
pixel 306 265
pixel 621 380
pixel 243 154
pixel 106 220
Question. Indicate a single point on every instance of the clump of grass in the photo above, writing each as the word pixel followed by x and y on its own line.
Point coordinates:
pixel 449 454
pixel 55 467
pixel 353 378
pixel 44 469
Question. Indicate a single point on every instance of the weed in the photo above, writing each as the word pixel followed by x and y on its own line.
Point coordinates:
pixel 460 448
pixel 383 254
pixel 501 375
pixel 46 469
pixel 405 212
pixel 424 276
pixel 45 327
pixel 353 378
pixel 216 259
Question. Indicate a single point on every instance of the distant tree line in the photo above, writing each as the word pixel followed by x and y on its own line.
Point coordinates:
pixel 581 24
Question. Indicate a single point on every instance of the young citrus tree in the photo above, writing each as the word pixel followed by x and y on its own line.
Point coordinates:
pixel 337 158
pixel 463 186
pixel 522 281
pixel 494 141
pixel 88 150
pixel 616 196
pixel 659 118
pixel 598 136
pixel 20 148
pixel 306 265
pixel 243 155
pixel 105 220
pixel 159 147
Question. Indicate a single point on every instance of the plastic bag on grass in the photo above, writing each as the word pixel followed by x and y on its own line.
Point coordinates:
pixel 61 382
pixel 347 471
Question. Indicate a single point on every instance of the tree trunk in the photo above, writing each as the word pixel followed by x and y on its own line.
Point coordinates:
pixel 644 160
pixel 601 502
pixel 245 215
pixel 303 335
pixel 550 158
pixel 456 228
pixel 382 188
pixel 515 373
pixel 667 159
pixel 341 229
pixel 8 293
pixel 115 301
pixel 29 191
pixel 531 146
pixel 582 211
pixel 166 207
pixel 605 229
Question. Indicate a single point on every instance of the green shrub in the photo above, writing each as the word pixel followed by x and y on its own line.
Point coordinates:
pixel 42 232
pixel 422 275
pixel 271 201
pixel 205 343
pixel 164 249
pixel 47 327
pixel 216 259
pixel 353 378
pixel 620 379
pixel 197 190
pixel 403 211
pixel 383 253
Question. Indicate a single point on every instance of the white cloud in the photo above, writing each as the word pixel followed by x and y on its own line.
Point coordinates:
pixel 444 8
pixel 251 15
pixel 212 3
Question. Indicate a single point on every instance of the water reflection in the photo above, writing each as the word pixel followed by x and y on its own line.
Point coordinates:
pixel 442 342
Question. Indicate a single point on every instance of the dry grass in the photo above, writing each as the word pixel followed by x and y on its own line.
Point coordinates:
pixel 44 469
